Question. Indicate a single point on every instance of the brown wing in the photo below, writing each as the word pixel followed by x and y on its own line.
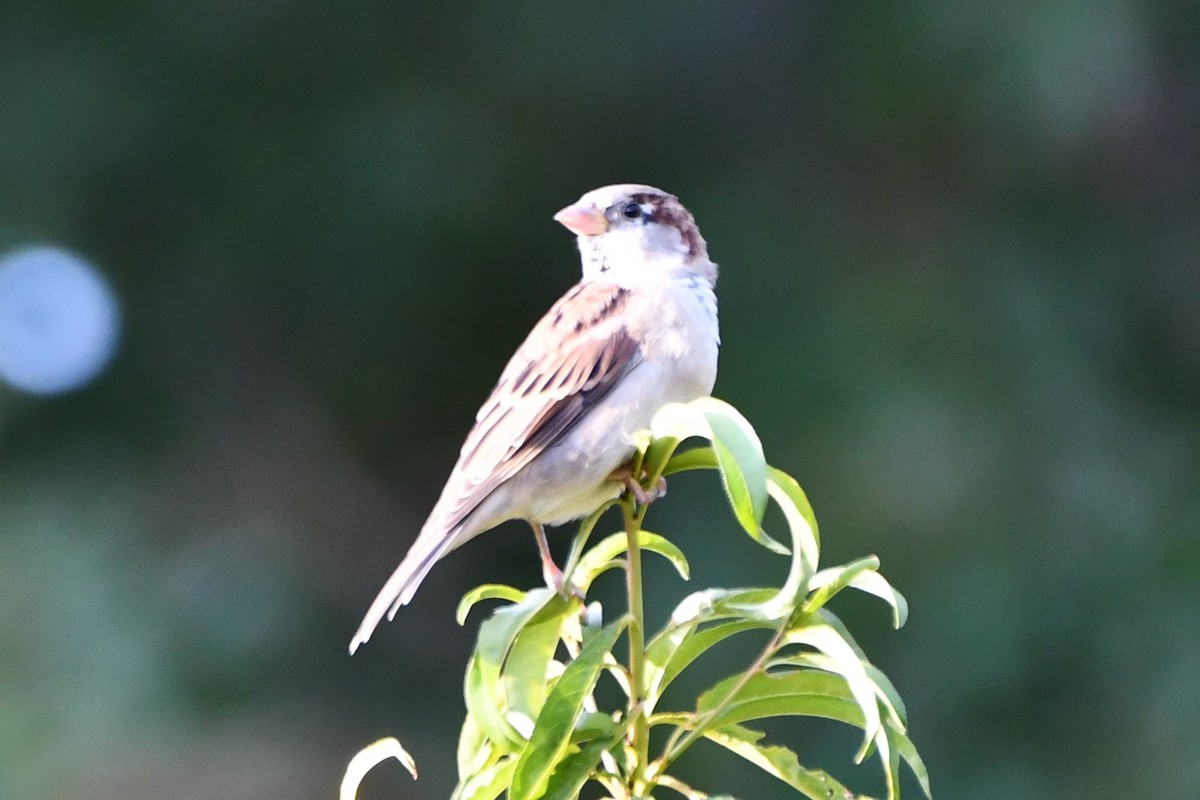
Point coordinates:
pixel 571 359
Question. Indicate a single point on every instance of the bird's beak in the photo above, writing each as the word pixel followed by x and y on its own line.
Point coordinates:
pixel 582 220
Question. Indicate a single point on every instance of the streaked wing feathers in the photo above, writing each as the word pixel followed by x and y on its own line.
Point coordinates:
pixel 571 359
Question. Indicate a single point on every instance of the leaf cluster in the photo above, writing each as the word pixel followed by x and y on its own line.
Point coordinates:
pixel 534 728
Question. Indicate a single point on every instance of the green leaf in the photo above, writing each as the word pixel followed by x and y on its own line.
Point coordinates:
pixel 791 500
pixel 738 452
pixel 674 649
pixel 552 732
pixel 884 690
pixel 800 500
pixel 474 751
pixel 489 591
pixel 369 757
pixel 506 679
pixel 778 761
pixel 908 751
pixel 601 556
pixel 709 605
pixel 524 672
pixel 799 693
pixel 828 582
pixel 658 454
pixel 488 783
pixel 576 768
pixel 696 458
pixel 876 584
pixel 844 659
pixel 497 634
pixel 486 704
pixel 580 540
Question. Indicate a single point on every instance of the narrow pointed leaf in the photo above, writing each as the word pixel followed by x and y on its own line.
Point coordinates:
pixel 736 446
pixel 369 757
pixel 828 582
pixel 575 769
pixel 668 655
pixel 884 690
pixel 489 591
pixel 487 705
pixel 524 672
pixel 908 751
pixel 799 693
pixel 497 634
pixel 474 751
pixel 778 761
pixel 489 783
pixel 601 555
pixel 876 584
pixel 552 732
pixel 804 549
pixel 846 661
pixel 696 458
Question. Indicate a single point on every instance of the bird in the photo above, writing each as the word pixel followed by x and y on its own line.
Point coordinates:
pixel 637 332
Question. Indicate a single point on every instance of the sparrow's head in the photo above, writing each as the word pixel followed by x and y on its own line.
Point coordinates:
pixel 634 233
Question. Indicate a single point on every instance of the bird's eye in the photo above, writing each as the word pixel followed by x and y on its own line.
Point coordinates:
pixel 632 211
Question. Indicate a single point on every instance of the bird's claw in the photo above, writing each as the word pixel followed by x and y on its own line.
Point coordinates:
pixel 640 493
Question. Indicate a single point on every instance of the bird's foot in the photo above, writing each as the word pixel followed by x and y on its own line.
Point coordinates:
pixel 644 496
pixel 556 580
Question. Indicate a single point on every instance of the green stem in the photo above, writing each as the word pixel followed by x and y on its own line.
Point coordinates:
pixel 637 647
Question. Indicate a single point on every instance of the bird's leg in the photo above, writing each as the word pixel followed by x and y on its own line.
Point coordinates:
pixel 640 493
pixel 551 574
pixel 550 571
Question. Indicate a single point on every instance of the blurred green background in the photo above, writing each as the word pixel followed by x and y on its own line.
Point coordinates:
pixel 960 300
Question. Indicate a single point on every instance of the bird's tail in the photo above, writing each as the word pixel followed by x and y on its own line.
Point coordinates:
pixel 433 543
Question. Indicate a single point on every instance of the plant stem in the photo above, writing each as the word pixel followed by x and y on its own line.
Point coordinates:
pixel 637 647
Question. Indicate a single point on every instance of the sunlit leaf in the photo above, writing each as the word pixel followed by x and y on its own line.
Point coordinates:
pixel 800 500
pixel 601 555
pixel 488 783
pixel 715 604
pixel 696 458
pixel 474 751
pixel 908 751
pixel 736 446
pixel 831 619
pixel 524 672
pixel 671 651
pixel 497 634
pixel 487 704
pixel 828 582
pixel 778 761
pixel 593 725
pixel 876 584
pixel 552 732
pixel 884 690
pixel 783 490
pixel 676 785
pixel 489 591
pixel 845 660
pixel 574 770
pixel 799 693
pixel 367 759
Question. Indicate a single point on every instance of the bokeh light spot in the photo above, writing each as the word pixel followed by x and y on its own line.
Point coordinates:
pixel 59 322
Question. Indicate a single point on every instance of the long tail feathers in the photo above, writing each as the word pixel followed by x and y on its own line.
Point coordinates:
pixel 430 546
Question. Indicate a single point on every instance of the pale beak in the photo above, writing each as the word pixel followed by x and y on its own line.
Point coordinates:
pixel 582 220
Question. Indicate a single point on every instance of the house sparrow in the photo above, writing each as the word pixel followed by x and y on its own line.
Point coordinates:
pixel 637 332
